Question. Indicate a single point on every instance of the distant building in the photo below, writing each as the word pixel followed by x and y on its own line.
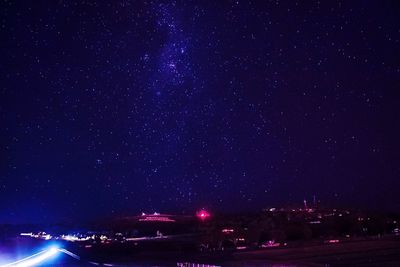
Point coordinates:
pixel 156 217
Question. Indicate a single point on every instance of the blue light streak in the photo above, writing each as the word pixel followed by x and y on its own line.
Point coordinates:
pixel 35 258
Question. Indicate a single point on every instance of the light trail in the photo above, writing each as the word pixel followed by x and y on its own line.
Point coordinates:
pixel 44 255
pixel 69 253
pixel 14 263
pixel 34 259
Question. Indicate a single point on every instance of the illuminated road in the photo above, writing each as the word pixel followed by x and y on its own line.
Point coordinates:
pixel 49 254
pixel 46 256
pixel 40 257
pixel 35 258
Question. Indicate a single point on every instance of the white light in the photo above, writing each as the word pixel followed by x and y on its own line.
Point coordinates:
pixel 47 237
pixel 35 259
pixel 73 238
pixel 26 234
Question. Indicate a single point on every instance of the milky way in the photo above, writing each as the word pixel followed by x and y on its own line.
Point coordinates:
pixel 116 107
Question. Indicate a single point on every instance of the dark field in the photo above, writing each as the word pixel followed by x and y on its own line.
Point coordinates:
pixel 378 252
pixel 359 253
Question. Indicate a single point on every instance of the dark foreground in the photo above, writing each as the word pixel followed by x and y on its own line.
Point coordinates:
pixel 378 252
pixel 360 253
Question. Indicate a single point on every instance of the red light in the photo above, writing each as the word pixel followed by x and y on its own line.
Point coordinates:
pixel 202 214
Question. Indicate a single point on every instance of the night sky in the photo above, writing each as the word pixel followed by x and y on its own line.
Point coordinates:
pixel 111 108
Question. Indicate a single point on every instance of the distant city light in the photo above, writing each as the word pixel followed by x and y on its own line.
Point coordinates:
pixel 73 238
pixel 26 234
pixel 156 218
pixel 332 241
pixel 40 235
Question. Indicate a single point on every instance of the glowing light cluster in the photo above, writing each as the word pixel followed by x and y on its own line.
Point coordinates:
pixel 40 235
pixel 203 214
pixel 73 238
pixel 332 241
pixel 156 219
